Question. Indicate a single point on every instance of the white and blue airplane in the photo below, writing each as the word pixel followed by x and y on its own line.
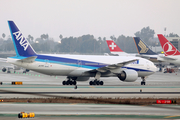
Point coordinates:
pixel 78 67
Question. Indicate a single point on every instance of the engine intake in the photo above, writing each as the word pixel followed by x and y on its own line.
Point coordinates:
pixel 128 75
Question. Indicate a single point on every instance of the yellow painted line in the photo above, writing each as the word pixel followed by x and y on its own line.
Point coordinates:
pixel 91 86
pixel 73 104
pixel 172 116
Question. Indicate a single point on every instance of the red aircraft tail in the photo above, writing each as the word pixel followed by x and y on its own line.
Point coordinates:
pixel 167 47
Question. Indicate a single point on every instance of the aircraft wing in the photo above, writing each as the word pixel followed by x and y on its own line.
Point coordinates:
pixel 29 59
pixel 113 67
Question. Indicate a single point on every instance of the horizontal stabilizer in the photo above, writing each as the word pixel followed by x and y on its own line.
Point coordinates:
pixel 3 60
pixel 29 59
pixel 167 58
pixel 143 56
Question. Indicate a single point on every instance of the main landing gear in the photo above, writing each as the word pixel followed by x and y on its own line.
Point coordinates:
pixel 97 81
pixel 69 82
pixel 143 82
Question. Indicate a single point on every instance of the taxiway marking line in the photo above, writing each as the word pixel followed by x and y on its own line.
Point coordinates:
pixel 172 116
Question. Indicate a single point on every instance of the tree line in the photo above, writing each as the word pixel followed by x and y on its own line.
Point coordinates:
pixel 85 44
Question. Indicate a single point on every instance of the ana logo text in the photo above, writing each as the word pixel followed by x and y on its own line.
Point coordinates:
pixel 22 41
pixel 135 62
pixel 169 49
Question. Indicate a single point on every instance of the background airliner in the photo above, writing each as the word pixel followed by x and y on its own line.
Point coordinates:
pixel 144 51
pixel 172 55
pixel 78 67
pixel 114 48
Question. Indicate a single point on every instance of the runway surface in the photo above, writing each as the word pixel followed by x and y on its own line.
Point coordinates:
pixel 39 85
pixel 44 110
pixel 35 85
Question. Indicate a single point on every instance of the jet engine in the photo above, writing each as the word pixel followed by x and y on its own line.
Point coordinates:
pixel 80 78
pixel 128 75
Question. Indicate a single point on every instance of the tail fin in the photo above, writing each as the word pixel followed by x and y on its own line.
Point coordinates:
pixel 142 48
pixel 167 47
pixel 113 47
pixel 21 45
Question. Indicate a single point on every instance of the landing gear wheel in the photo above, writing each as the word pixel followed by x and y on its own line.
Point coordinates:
pixel 143 83
pixel 91 83
pixel 97 82
pixel 64 82
pixel 74 82
pixel 67 82
pixel 70 82
pixel 101 83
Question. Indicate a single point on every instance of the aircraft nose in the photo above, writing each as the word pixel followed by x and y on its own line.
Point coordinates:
pixel 154 69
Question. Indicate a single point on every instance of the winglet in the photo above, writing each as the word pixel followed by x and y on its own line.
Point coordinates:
pixel 21 45
pixel 167 47
pixel 142 48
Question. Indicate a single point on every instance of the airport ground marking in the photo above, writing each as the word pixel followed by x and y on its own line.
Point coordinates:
pixel 91 86
pixel 139 87
pixel 172 116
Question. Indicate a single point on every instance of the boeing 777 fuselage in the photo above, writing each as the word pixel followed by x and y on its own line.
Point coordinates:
pixel 78 67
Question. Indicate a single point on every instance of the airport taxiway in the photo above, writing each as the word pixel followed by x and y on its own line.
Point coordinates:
pixel 96 111
pixel 158 85
pixel 39 85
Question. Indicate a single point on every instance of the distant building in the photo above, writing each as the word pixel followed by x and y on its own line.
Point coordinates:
pixel 175 41
pixel 157 49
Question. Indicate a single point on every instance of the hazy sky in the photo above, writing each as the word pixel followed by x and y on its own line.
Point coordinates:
pixel 96 17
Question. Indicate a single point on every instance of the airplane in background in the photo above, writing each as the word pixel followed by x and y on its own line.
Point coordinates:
pixel 114 48
pixel 172 55
pixel 13 67
pixel 78 67
pixel 144 51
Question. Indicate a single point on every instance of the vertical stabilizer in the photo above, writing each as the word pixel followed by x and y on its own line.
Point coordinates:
pixel 113 47
pixel 167 47
pixel 21 45
pixel 142 48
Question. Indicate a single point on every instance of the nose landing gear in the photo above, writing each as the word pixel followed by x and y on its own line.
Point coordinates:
pixel 143 82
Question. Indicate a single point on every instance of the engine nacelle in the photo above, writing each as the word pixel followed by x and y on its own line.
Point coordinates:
pixel 128 75
pixel 80 78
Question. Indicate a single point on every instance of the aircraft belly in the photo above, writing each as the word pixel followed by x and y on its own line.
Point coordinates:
pixel 144 73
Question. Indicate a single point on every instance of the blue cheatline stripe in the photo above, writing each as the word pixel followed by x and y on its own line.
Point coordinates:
pixel 13 40
pixel 72 62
